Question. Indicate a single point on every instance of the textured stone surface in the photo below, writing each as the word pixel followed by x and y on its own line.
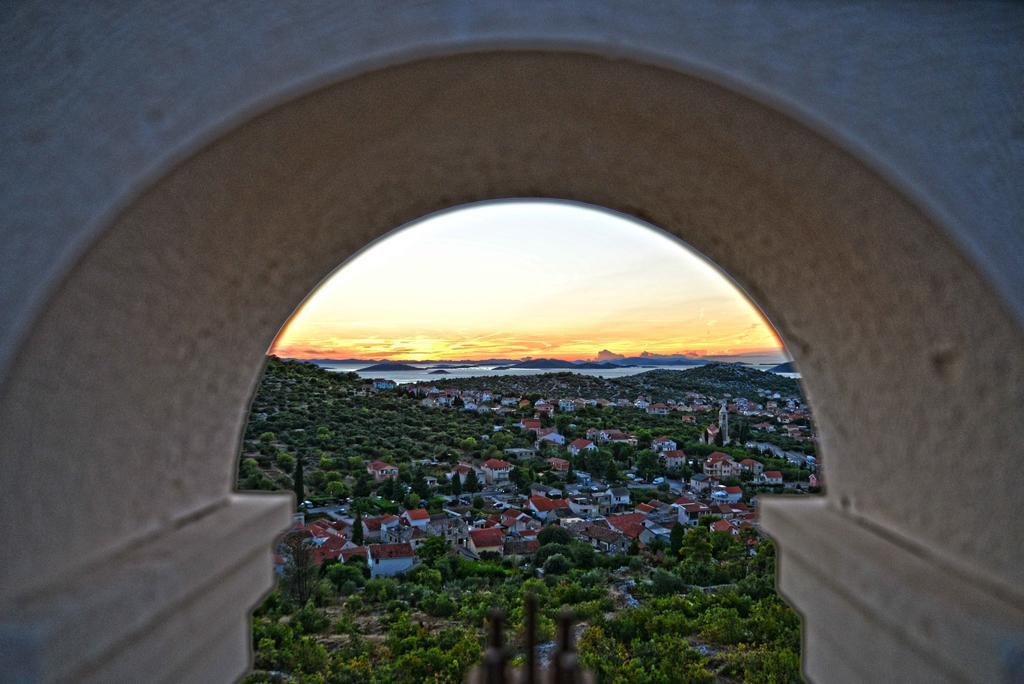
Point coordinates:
pixel 129 612
pixel 912 616
pixel 100 101
pixel 137 300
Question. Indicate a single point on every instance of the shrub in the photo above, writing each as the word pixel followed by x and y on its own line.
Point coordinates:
pixel 557 565
pixel 309 620
pixel 554 534
pixel 665 583
pixel 438 605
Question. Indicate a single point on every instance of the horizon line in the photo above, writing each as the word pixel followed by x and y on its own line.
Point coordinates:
pixel 594 359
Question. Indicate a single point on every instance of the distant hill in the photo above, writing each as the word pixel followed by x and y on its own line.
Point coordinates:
pixel 558 363
pixel 439 371
pixel 787 367
pixel 439 362
pixel 658 384
pixel 713 378
pixel 388 366
pixel 327 361
pixel 658 361
pixel 545 363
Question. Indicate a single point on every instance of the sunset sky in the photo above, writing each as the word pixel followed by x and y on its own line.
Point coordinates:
pixel 516 279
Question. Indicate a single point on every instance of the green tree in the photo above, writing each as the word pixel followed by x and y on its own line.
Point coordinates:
pixel 648 464
pixel 432 549
pixel 455 485
pixel 665 583
pixel 362 487
pixel 297 483
pixel 421 488
pixel 676 538
pixel 696 545
pixel 554 534
pixel 472 483
pixel 299 572
pixel 309 620
pixel 357 529
pixel 557 565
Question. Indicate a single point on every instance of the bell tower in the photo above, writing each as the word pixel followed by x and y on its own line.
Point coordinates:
pixel 723 424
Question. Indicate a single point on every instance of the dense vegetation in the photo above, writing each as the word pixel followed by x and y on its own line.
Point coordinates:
pixel 700 609
pixel 428 624
pixel 658 385
pixel 335 425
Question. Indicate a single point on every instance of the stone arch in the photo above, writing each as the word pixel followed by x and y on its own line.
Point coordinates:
pixel 121 411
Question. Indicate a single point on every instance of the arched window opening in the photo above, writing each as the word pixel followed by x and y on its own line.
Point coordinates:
pixel 528 399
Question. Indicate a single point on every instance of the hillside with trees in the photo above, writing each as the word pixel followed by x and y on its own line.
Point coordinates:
pixel 694 605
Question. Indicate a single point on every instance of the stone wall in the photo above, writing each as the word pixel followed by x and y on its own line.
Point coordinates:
pixel 178 178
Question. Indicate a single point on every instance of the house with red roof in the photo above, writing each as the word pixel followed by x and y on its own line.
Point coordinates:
pixel 724 526
pixel 721 465
pixel 486 540
pixel 416 517
pixel 514 520
pixel 629 524
pixel 690 513
pixel 559 465
pixel 376 528
pixel 749 465
pixel 545 508
pixel 352 550
pixel 381 471
pixel 728 495
pixel 658 409
pixel 674 458
pixel 388 560
pixel 710 434
pixel 731 511
pixel 460 470
pixel 578 445
pixel 529 424
pixel 604 539
pixel 771 477
pixel 322 539
pixel 496 470
pixel 549 436
pixel 613 436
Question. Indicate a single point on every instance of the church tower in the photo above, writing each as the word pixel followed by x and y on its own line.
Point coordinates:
pixel 723 424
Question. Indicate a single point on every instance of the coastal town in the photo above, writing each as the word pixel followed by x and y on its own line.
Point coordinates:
pixel 424 506
pixel 717 489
